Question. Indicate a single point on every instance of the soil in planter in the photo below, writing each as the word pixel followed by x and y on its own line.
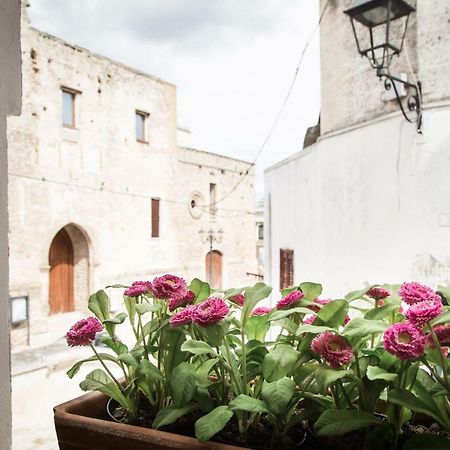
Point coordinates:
pixel 259 437
pixel 355 440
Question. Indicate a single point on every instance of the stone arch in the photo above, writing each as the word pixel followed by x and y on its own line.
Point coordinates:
pixel 80 258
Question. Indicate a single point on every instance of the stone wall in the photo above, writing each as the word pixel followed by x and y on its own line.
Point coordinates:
pixel 10 93
pixel 97 180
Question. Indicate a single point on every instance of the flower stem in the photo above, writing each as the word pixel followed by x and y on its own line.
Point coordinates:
pixel 106 368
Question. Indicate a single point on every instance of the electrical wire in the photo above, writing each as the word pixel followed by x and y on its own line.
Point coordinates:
pixel 278 116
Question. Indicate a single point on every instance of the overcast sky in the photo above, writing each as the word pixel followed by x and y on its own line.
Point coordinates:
pixel 232 62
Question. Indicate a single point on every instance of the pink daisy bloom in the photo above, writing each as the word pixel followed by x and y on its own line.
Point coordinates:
pixel 238 299
pixel 210 312
pixel 442 333
pixel 308 319
pixel 83 332
pixel 290 300
pixel 178 302
pixel 335 349
pixel 404 340
pixel 319 301
pixel 378 293
pixel 415 292
pixel 261 311
pixel 169 287
pixel 422 312
pixel 183 317
pixel 138 288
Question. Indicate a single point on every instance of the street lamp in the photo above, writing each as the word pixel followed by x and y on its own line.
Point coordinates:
pixel 379 27
pixel 211 236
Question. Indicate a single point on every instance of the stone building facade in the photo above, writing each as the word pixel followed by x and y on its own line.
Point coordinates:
pixel 95 154
pixel 368 201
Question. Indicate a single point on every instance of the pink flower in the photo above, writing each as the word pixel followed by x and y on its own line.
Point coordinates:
pixel 319 301
pixel 414 292
pixel 209 312
pixel 335 349
pixel 422 312
pixel 308 319
pixel 138 288
pixel 404 340
pixel 261 311
pixel 442 333
pixel 238 299
pixel 290 300
pixel 378 293
pixel 169 287
pixel 177 302
pixel 183 317
pixel 83 332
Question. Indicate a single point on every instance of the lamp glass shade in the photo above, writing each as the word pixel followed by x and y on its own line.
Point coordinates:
pixel 372 13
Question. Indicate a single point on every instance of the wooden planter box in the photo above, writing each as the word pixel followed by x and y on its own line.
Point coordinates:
pixel 79 426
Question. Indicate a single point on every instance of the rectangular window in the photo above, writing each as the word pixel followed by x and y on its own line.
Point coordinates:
pixel 68 107
pixel 286 268
pixel 212 199
pixel 260 231
pixel 141 125
pixel 155 217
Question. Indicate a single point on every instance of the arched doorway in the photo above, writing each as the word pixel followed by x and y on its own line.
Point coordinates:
pixel 61 261
pixel 213 264
pixel 69 282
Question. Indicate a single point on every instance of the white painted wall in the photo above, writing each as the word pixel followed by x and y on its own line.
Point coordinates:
pixel 10 94
pixel 364 205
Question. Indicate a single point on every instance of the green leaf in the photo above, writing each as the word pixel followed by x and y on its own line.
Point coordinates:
pixel 232 292
pixel 98 380
pixel 253 296
pixel 443 318
pixel 129 360
pixel 170 414
pixel 214 334
pixel 311 290
pixel 408 400
pixel 130 305
pixel 143 308
pixel 336 422
pixel 150 371
pixel 334 313
pixel 356 295
pixel 197 347
pixel 204 370
pixel 116 286
pixel 201 290
pixel 117 347
pixel 445 291
pixel 207 426
pixel 315 329
pixel 377 373
pixel 326 376
pixel 256 327
pixel 76 367
pixel 279 362
pixel 360 328
pixel 246 403
pixel 382 311
pixel 203 399
pixel 171 347
pixel 282 314
pixel 183 384
pixel 278 394
pixel 99 305
pixel 116 320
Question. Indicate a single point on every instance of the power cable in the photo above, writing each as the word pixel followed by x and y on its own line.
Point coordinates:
pixel 280 112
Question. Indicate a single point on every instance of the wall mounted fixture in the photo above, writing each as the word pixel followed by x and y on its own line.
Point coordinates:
pixel 380 28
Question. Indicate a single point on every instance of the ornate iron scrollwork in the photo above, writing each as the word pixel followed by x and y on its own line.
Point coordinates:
pixel 413 101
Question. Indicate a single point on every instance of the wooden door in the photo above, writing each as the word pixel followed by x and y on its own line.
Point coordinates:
pixel 213 262
pixel 61 273
pixel 286 268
